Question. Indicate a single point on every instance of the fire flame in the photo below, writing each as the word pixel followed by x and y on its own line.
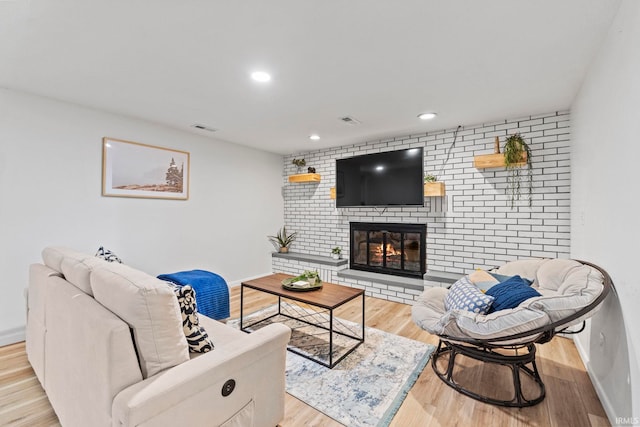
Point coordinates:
pixel 390 250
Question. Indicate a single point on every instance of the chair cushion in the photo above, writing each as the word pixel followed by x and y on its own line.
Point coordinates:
pixel 552 274
pixel 464 295
pixel 151 310
pixel 511 293
pixel 526 268
pixel 579 289
pixel 494 325
pixel 553 301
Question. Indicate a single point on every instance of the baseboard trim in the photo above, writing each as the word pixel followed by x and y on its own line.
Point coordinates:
pixel 602 395
pixel 239 282
pixel 12 336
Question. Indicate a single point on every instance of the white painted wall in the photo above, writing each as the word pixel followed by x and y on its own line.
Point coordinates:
pixel 50 188
pixel 605 202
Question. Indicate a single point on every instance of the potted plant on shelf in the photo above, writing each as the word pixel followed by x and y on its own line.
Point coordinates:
pixel 336 252
pixel 516 154
pixel 430 178
pixel 432 187
pixel 299 163
pixel 282 240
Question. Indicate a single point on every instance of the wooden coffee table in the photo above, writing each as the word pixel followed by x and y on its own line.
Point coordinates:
pixel 316 333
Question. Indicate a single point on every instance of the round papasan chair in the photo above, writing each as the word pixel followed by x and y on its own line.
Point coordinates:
pixel 547 296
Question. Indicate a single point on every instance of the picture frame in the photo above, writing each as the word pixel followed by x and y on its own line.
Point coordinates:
pixel 132 169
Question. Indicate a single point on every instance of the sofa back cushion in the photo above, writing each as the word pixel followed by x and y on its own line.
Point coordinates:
pixel 74 265
pixel 151 310
pixel 52 256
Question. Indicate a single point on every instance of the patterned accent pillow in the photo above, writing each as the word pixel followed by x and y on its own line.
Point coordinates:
pixel 197 337
pixel 464 295
pixel 107 255
pixel 483 280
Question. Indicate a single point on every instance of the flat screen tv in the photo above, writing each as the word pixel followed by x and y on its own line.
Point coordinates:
pixel 392 178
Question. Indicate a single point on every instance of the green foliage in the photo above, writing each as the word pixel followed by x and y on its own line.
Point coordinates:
pixel 513 152
pixel 282 239
pixel 299 162
pixel 336 250
pixel 309 276
pixel 430 178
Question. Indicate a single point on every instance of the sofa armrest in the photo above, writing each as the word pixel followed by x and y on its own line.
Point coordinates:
pixel 191 393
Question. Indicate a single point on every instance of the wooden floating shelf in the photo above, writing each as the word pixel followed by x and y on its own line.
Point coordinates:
pixel 305 177
pixel 332 193
pixel 494 161
pixel 434 189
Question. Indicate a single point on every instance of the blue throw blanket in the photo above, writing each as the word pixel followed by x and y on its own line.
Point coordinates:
pixel 212 292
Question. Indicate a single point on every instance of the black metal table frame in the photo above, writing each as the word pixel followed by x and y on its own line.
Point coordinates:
pixel 330 329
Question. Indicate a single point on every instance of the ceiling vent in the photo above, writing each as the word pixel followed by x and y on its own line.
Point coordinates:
pixel 350 120
pixel 203 127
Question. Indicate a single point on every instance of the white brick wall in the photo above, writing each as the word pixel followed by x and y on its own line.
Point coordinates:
pixel 473 227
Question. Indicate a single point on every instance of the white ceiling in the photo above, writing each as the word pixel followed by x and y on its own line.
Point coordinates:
pixel 381 62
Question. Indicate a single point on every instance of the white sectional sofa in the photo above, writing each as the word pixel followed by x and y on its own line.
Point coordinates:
pixel 107 345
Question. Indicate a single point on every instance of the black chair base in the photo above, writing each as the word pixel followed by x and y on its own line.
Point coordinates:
pixel 516 362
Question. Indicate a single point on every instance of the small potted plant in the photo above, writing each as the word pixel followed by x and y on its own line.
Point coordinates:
pixel 312 277
pixel 516 154
pixel 282 240
pixel 430 178
pixel 336 252
pixel 432 187
pixel 299 163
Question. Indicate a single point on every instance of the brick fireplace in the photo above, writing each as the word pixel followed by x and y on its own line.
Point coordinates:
pixel 388 248
pixel 471 227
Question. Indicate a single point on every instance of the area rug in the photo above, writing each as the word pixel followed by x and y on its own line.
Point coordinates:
pixel 367 387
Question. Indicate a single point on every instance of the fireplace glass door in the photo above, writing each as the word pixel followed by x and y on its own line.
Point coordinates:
pixel 388 248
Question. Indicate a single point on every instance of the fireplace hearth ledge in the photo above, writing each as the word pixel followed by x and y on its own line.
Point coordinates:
pixel 402 282
pixel 315 259
pixel 442 276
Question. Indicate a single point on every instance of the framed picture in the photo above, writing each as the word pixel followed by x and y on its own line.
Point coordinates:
pixel 131 169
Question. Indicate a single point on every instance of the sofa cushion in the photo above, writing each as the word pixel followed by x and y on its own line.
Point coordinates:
pixel 197 337
pixel 150 309
pixel 464 295
pixel 511 293
pixel 52 256
pixel 77 272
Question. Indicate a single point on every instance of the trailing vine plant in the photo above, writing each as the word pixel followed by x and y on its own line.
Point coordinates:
pixel 514 150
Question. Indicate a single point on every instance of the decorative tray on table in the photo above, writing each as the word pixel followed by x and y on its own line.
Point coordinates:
pixel 301 285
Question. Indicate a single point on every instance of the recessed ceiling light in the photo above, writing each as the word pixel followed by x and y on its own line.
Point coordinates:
pixel 379 168
pixel 314 137
pixel 426 116
pixel 260 76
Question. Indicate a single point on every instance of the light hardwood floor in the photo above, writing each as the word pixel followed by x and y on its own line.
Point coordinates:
pixel 570 401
